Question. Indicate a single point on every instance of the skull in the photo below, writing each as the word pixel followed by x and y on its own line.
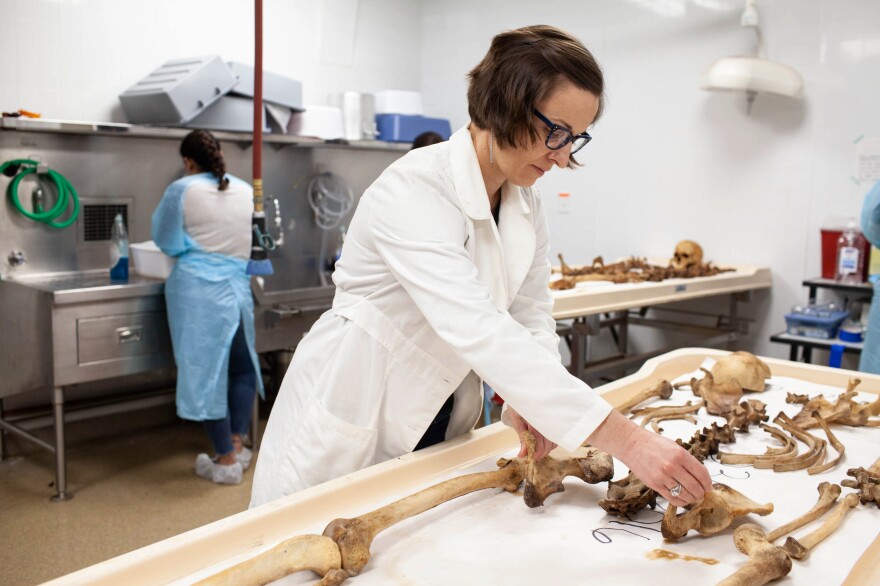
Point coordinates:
pixel 687 254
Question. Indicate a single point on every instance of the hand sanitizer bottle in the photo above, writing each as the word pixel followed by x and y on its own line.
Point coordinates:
pixel 850 255
pixel 119 251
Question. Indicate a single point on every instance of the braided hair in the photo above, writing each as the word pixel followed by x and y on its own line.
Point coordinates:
pixel 202 148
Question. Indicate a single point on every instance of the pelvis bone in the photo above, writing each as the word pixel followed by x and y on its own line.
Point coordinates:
pixel 712 514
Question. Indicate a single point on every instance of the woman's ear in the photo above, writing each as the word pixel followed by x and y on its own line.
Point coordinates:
pixel 190 166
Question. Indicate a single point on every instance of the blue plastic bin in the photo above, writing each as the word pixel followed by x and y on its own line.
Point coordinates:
pixel 405 128
pixel 813 326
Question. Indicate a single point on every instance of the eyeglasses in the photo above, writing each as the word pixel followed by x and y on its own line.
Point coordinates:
pixel 559 136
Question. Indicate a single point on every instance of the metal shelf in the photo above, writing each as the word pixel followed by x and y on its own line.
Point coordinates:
pixel 163 132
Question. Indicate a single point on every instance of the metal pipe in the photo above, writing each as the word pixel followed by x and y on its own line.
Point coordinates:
pixel 11 428
pixel 61 493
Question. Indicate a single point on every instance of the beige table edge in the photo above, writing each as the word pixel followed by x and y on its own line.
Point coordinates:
pixel 605 298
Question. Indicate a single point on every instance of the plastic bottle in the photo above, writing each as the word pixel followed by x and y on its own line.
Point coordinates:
pixel 850 255
pixel 119 251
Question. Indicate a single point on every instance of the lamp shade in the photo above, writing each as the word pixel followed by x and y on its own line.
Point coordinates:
pixel 752 74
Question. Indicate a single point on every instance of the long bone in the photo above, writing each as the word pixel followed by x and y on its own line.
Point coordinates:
pixel 828 494
pixel 304 552
pixel 800 548
pixel 661 390
pixel 354 536
pixel 712 514
pixel 767 562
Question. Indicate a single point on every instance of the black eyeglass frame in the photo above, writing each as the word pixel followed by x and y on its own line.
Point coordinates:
pixel 555 128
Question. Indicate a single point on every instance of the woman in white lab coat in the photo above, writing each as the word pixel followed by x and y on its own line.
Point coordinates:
pixel 442 284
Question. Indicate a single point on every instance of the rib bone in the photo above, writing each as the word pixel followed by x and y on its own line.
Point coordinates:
pixel 767 562
pixel 800 548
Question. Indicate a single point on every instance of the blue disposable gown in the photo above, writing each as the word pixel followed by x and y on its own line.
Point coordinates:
pixel 207 296
pixel 870 360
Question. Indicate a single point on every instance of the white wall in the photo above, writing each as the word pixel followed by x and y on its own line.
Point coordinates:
pixel 669 161
pixel 69 59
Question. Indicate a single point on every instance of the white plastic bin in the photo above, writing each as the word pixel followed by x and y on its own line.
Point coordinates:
pixel 149 261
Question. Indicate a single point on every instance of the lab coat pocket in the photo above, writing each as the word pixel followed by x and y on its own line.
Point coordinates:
pixel 347 448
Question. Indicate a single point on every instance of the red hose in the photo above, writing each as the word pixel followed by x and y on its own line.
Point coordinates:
pixel 258 106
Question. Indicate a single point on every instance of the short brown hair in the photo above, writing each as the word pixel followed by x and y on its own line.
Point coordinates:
pixel 520 69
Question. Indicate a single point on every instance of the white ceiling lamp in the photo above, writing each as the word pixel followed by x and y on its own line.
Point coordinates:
pixel 753 74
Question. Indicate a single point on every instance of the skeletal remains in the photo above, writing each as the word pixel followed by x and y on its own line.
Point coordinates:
pixel 344 548
pixel 687 262
pixel 768 562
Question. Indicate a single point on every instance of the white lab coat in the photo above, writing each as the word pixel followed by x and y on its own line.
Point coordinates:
pixel 431 298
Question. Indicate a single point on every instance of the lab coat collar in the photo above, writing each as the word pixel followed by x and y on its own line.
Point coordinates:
pixel 469 186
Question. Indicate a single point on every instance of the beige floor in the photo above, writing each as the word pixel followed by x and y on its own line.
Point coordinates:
pixel 130 489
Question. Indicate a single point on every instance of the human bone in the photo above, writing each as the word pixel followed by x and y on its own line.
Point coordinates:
pixel 799 549
pixel 845 410
pixel 720 397
pixel 867 481
pixel 745 368
pixel 828 494
pixel 661 390
pixel 767 562
pixel 317 553
pixel 714 513
pixel 543 477
pixel 687 254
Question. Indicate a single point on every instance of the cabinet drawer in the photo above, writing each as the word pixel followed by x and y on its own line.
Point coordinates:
pixel 118 336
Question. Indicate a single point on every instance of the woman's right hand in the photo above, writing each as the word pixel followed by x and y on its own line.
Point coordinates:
pixel 655 460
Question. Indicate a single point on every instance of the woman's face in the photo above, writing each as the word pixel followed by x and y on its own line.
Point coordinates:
pixel 566 105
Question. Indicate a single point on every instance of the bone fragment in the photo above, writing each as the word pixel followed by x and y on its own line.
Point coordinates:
pixel 867 482
pixel 354 536
pixel 800 548
pixel 767 562
pixel 712 514
pixel 627 496
pixel 661 390
pixel 720 397
pixel 304 552
pixel 828 494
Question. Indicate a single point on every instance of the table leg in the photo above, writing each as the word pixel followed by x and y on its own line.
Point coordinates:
pixel 255 423
pixel 793 352
pixel 808 354
pixel 2 434
pixel 61 493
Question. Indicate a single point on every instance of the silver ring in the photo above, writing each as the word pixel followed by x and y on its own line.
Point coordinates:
pixel 675 490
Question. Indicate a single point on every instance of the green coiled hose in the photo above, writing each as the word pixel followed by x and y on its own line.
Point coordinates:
pixel 19 168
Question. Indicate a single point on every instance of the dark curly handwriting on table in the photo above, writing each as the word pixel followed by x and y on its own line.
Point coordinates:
pixel 745 473
pixel 600 535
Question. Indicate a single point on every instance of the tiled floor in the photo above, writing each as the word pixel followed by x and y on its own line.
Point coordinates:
pixel 130 490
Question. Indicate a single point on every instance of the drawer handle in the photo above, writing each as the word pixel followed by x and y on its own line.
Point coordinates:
pixel 129 334
pixel 283 311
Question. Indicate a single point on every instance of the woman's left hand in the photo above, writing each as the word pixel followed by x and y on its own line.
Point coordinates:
pixel 543 446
